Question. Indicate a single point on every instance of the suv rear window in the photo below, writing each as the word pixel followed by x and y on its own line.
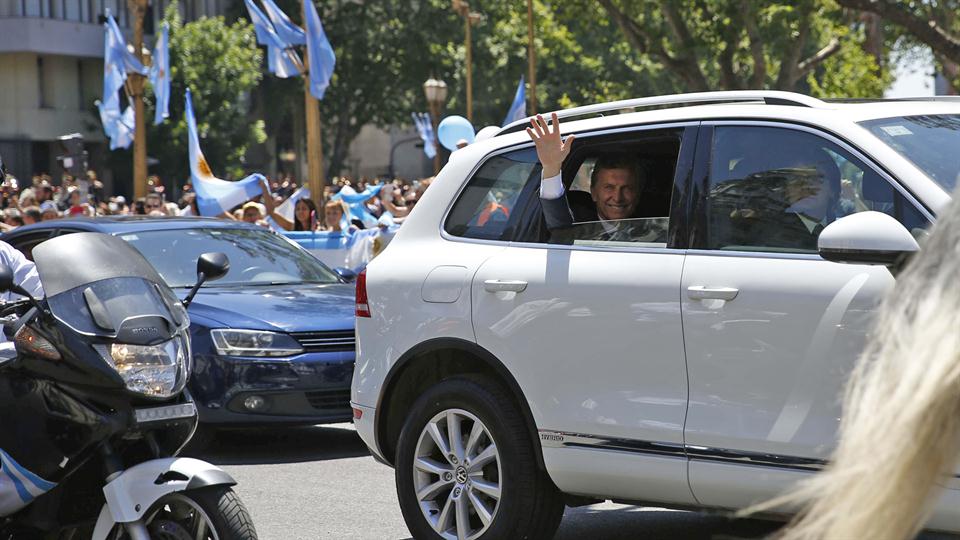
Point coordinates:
pixel 485 207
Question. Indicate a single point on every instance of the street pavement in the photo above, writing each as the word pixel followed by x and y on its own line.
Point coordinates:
pixel 320 482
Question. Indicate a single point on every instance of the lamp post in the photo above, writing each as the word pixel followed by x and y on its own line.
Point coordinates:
pixel 470 18
pixel 436 92
pixel 139 10
pixel 531 59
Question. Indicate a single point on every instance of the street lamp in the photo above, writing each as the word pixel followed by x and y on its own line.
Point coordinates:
pixel 436 92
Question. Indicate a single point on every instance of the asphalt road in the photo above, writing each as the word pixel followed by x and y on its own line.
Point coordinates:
pixel 320 482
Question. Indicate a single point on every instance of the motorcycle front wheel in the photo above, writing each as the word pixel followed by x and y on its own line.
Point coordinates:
pixel 213 513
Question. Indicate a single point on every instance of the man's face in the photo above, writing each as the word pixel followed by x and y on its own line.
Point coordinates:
pixel 152 204
pixel 616 194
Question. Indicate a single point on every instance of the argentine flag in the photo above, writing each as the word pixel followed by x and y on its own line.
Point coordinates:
pixel 160 75
pixel 518 109
pixel 18 486
pixel 215 196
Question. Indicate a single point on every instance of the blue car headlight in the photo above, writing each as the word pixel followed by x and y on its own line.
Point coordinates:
pixel 233 342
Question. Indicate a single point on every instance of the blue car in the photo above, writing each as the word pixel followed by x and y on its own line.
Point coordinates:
pixel 273 340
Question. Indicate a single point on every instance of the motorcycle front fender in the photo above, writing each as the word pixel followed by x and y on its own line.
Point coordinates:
pixel 131 494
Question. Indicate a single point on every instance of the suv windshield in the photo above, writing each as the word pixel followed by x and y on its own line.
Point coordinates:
pixel 256 257
pixel 930 142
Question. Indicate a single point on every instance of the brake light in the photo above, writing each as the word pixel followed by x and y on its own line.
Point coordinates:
pixel 363 309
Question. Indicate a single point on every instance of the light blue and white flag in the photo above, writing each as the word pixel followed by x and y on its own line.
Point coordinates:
pixel 215 196
pixel 118 126
pixel 282 60
pixel 160 76
pixel 18 486
pixel 320 52
pixel 356 203
pixel 116 51
pixel 425 129
pixel 288 32
pixel 518 109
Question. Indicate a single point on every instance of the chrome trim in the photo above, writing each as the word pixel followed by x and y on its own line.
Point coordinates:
pixel 705 453
pixel 560 439
pixel 755 254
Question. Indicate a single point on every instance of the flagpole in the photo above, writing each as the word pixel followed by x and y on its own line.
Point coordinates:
pixel 139 8
pixel 531 59
pixel 314 143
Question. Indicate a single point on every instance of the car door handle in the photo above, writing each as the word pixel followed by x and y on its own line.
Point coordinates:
pixel 702 292
pixel 497 285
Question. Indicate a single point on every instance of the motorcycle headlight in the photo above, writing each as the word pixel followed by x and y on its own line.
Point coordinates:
pixel 152 370
pixel 231 342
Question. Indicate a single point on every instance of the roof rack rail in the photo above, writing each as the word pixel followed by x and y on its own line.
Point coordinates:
pixel 925 99
pixel 769 97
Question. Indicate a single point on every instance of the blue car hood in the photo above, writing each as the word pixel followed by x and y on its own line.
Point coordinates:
pixel 286 308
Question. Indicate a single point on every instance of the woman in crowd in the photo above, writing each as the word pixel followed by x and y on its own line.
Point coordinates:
pixel 900 430
pixel 304 213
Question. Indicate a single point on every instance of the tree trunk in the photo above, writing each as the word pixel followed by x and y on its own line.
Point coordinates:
pixel 940 39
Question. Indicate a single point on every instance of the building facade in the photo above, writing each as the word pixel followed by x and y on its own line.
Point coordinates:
pixel 51 75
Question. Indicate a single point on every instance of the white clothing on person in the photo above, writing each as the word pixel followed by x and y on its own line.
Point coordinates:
pixel 24 274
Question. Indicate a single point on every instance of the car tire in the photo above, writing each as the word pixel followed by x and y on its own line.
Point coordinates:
pixel 443 496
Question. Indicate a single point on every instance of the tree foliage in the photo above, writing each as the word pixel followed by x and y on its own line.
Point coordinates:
pixel 741 44
pixel 220 63
pixel 935 24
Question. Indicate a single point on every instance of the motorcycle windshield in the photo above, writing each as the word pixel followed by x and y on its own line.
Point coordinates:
pixel 100 285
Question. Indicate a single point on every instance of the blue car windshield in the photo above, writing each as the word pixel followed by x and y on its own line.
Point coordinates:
pixel 257 257
pixel 930 142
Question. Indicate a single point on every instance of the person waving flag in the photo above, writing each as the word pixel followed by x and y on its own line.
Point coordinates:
pixel 215 196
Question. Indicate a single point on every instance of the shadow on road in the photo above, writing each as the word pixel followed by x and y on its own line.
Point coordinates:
pixel 283 445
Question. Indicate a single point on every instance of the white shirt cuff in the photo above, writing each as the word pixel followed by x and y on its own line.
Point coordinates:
pixel 551 188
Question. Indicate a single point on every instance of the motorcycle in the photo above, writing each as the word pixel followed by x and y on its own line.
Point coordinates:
pixel 93 408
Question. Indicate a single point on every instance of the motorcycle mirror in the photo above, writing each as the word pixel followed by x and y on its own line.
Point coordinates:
pixel 6 278
pixel 213 266
pixel 7 284
pixel 210 266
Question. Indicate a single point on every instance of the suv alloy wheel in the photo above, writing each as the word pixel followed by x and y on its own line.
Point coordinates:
pixel 466 470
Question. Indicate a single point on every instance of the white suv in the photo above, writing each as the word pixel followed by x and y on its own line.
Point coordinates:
pixel 504 370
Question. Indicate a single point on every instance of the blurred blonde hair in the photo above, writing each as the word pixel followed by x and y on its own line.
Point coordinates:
pixel 900 430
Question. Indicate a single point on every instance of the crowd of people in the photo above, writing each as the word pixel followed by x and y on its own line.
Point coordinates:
pixel 42 199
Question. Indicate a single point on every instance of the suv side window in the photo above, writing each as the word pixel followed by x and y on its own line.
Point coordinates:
pixel 485 208
pixel 774 189
pixel 603 213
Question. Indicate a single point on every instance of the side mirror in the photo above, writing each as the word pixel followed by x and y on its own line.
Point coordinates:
pixel 867 238
pixel 210 267
pixel 6 278
pixel 346 274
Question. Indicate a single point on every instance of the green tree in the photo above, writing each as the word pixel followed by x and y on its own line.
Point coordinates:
pixel 220 63
pixel 934 24
pixel 386 50
pixel 808 45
